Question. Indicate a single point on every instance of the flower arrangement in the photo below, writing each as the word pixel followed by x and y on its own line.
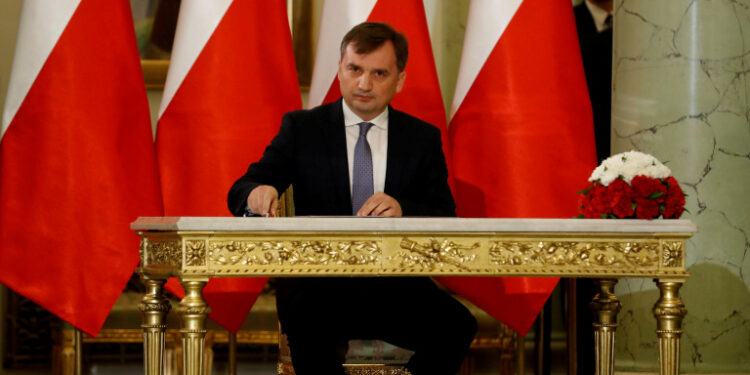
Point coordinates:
pixel 632 184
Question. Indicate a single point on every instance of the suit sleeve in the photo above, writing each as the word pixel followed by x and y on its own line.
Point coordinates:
pixel 435 198
pixel 274 168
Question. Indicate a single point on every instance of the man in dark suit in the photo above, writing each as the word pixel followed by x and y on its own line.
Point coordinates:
pixel 594 24
pixel 359 156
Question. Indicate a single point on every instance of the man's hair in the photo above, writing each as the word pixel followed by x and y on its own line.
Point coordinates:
pixel 369 36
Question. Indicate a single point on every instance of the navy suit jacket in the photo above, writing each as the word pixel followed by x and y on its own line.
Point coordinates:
pixel 309 152
pixel 596 51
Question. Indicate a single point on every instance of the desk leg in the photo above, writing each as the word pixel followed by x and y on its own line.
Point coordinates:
pixel 669 311
pixel 605 307
pixel 154 307
pixel 193 311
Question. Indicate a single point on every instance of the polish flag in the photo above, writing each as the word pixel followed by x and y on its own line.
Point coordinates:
pixel 231 78
pixel 421 94
pixel 522 133
pixel 77 162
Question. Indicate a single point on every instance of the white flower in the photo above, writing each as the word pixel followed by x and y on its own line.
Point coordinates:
pixel 628 171
pixel 628 165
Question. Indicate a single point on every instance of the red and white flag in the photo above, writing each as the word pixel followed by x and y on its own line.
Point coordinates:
pixel 421 94
pixel 231 78
pixel 521 131
pixel 77 161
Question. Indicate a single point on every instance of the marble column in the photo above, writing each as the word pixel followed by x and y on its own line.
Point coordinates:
pixel 681 91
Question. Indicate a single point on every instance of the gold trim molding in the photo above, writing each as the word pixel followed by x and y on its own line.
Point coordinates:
pixel 195 253
pixel 167 252
pixel 208 254
pixel 574 253
pixel 308 252
pixel 434 253
pixel 673 254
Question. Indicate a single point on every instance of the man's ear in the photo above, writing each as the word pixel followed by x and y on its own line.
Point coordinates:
pixel 338 73
pixel 401 79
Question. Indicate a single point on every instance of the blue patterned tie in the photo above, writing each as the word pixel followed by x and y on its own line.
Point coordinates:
pixel 362 185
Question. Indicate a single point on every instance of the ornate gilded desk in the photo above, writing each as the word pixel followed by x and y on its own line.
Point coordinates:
pixel 195 249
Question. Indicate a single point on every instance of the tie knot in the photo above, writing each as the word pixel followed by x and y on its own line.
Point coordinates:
pixel 364 127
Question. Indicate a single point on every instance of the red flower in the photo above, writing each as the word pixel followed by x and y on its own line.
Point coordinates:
pixel 586 210
pixel 600 200
pixel 646 208
pixel 643 198
pixel 594 201
pixel 585 206
pixel 619 194
pixel 648 188
pixel 674 202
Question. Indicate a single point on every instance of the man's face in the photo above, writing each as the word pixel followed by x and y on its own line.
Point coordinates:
pixel 369 81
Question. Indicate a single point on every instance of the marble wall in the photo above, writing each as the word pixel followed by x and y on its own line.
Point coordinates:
pixel 10 11
pixel 681 91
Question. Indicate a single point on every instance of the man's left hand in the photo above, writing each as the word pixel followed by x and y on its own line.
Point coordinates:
pixel 380 204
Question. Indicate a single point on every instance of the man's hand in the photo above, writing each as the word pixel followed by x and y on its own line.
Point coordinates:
pixel 264 199
pixel 380 204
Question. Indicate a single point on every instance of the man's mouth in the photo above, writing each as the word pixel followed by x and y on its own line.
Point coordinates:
pixel 364 98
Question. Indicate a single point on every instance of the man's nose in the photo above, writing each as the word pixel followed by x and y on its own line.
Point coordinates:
pixel 365 82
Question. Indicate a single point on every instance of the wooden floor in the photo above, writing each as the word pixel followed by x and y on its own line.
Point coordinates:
pixel 485 365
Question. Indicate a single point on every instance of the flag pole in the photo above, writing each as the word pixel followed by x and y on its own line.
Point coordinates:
pixel 78 347
pixel 232 354
pixel 520 354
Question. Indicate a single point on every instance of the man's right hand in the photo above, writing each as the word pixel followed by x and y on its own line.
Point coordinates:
pixel 262 200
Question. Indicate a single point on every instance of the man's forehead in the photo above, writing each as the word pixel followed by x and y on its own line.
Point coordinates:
pixel 384 49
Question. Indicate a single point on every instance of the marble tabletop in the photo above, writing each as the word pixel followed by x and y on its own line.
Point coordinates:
pixel 409 224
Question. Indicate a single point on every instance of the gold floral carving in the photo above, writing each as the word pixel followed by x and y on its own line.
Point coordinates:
pixel 564 253
pixel 673 251
pixel 195 253
pixel 165 252
pixel 230 253
pixel 435 254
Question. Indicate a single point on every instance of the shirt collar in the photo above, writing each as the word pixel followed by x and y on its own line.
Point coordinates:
pixel 599 15
pixel 351 118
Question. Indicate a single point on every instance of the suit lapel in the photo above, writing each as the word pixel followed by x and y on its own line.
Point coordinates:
pixel 335 137
pixel 584 24
pixel 397 151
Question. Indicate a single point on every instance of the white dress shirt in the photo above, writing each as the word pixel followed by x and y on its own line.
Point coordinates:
pixel 377 137
pixel 599 15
